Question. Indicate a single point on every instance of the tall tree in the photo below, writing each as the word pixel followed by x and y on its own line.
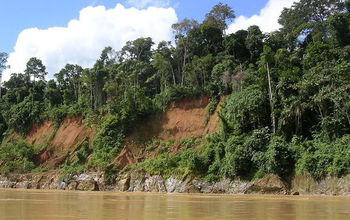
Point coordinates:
pixel 138 50
pixel 308 16
pixel 36 69
pixel 235 45
pixel 340 24
pixel 219 15
pixel 3 61
pixel 3 66
pixel 183 42
pixel 69 78
pixel 163 67
pixel 254 42
pixel 266 60
pixel 168 52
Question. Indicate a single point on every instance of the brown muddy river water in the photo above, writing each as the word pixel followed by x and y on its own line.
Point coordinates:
pixel 22 204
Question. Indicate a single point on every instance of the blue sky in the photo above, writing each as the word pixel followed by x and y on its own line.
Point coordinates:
pixel 75 31
pixel 17 15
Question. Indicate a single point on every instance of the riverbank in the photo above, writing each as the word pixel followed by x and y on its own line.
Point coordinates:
pixel 181 127
pixel 136 182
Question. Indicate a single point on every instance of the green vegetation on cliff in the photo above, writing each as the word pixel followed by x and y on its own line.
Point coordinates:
pixel 286 111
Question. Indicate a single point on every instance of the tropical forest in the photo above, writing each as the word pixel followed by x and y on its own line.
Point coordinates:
pixel 270 104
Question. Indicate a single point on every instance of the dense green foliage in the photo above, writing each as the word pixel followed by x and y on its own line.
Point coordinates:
pixel 17 156
pixel 108 141
pixel 78 162
pixel 287 105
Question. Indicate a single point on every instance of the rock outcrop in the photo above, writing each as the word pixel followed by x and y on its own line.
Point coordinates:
pixel 141 182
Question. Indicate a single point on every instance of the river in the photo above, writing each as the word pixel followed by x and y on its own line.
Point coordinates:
pixel 35 204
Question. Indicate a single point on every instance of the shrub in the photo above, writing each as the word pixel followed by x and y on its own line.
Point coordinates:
pixel 162 165
pixel 320 157
pixel 175 93
pixel 245 111
pixel 314 159
pixel 17 156
pixel 236 163
pixel 279 158
pixel 214 101
pixel 21 116
pixel 108 141
pixel 78 164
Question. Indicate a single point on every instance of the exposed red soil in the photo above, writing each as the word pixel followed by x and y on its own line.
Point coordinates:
pixel 43 156
pixel 56 159
pixel 180 120
pixel 40 134
pixel 213 123
pixel 125 158
pixel 71 133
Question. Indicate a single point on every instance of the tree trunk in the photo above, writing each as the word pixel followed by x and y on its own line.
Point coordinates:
pixel 172 71
pixel 183 66
pixel 184 60
pixel 0 86
pixel 271 100
pixel 33 91
pixel 91 96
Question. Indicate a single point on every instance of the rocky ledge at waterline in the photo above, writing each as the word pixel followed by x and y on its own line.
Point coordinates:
pixel 135 182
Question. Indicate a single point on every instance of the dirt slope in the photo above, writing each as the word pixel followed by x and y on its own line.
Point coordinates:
pixel 56 146
pixel 40 134
pixel 72 132
pixel 180 120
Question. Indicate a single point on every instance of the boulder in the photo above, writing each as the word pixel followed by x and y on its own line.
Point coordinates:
pixel 270 184
pixel 123 184
pixel 87 185
pixel 72 186
pixel 155 184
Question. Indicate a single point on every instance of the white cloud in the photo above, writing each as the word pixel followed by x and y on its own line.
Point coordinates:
pixel 146 3
pixel 82 41
pixel 267 19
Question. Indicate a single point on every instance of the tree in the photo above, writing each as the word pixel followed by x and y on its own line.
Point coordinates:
pixel 244 111
pixel 183 42
pixel 235 45
pixel 182 28
pixel 36 69
pixel 16 89
pixel 208 40
pixel 202 68
pixel 99 76
pixel 308 16
pixel 219 15
pixel 138 50
pixel 340 24
pixel 3 61
pixel 221 77
pixel 69 78
pixel 137 56
pixel 168 52
pixel 254 42
pixel 265 60
pixel 52 94
pixel 276 40
pixel 164 69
